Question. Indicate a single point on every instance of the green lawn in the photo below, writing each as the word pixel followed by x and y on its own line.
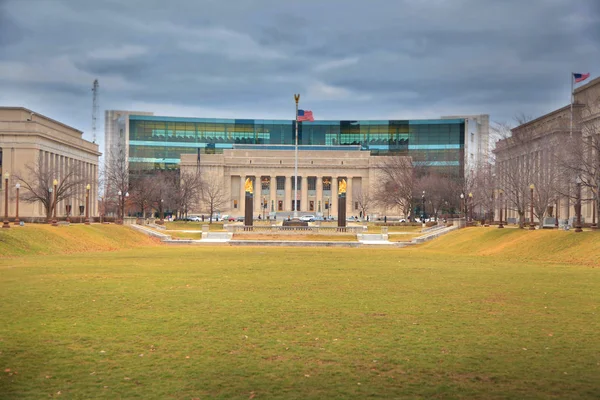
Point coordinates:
pixel 456 318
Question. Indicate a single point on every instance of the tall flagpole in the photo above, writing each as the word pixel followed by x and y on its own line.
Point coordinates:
pixel 295 203
pixel 572 83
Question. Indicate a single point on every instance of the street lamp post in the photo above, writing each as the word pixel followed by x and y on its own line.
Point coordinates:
pixel 594 226
pixel 328 207
pixel 122 197
pixel 531 224
pixel 120 220
pixel 6 224
pixel 54 221
pixel 87 204
pixel 471 207
pixel 423 208
pixel 17 221
pixel 162 212
pixel 556 214
pixel 264 206
pixel 500 193
pixel 578 206
pixel 462 206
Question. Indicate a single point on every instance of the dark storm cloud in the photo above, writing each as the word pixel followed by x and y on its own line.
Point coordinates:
pixel 349 59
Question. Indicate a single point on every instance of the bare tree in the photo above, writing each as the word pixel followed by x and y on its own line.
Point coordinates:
pixel 143 192
pixel 165 188
pixel 189 191
pixel 581 153
pixel 396 183
pixel 38 183
pixel 515 173
pixel 116 179
pixel 213 193
pixel 364 201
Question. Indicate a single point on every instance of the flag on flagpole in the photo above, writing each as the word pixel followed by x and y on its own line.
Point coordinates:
pixel 580 77
pixel 305 115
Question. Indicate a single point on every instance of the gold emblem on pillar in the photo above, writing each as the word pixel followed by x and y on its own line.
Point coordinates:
pixel 342 187
pixel 248 186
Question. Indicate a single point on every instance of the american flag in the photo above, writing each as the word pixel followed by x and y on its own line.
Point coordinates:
pixel 580 77
pixel 305 115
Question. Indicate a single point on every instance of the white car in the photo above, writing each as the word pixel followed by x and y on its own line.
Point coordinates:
pixel 307 218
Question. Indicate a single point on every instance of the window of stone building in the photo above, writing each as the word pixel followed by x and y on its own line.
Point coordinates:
pixel 312 183
pixel 311 205
pixel 280 205
pixel 326 183
pixel 235 204
pixel 356 205
pixel 281 183
pixel 265 183
pixel 294 183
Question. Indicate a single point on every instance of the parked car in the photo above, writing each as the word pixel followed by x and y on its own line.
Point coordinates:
pixel 240 219
pixel 317 218
pixel 194 218
pixel 223 217
pixel 231 219
pixel 307 218
pixel 352 219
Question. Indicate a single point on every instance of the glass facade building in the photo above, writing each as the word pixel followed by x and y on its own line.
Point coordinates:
pixel 156 142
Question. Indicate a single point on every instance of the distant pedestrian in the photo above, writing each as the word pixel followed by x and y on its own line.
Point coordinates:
pixel 385 219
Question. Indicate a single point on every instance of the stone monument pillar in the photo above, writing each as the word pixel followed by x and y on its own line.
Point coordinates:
pixel 249 198
pixel 342 204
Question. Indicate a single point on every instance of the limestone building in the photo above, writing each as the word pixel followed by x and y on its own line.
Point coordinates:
pixel 537 152
pixel 272 171
pixel 28 138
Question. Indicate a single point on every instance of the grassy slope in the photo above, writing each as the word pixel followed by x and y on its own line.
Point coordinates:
pixel 45 239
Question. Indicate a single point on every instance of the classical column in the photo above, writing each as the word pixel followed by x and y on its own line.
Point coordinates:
pixel 258 196
pixel 272 206
pixel 242 198
pixel 287 201
pixel 319 199
pixel 304 201
pixel 334 194
pixel 349 200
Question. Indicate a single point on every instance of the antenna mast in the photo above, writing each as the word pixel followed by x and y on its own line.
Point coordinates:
pixel 94 109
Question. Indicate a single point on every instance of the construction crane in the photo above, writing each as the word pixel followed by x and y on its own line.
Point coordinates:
pixel 94 108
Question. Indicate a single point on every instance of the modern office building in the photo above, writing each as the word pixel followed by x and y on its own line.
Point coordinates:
pixel 477 138
pixel 264 149
pixel 27 139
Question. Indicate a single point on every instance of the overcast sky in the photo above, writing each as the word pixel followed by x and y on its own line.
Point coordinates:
pixel 349 59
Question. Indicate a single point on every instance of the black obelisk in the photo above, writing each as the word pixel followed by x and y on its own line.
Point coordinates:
pixel 342 204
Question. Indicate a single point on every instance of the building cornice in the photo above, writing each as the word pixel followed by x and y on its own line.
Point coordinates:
pixel 27 110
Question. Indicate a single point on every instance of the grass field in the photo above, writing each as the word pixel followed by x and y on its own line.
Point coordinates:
pixel 480 313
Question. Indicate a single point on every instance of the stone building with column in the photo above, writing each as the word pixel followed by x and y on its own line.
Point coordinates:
pixel 551 152
pixel 272 171
pixel 28 138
